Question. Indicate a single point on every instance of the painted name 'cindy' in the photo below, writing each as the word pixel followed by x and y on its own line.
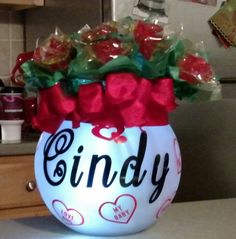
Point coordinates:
pixel 62 141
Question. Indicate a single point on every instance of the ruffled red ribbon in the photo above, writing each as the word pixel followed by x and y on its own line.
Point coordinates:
pixel 125 100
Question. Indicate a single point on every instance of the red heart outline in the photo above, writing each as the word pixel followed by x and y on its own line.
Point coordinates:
pixel 67 210
pixel 165 205
pixel 177 156
pixel 97 131
pixel 115 203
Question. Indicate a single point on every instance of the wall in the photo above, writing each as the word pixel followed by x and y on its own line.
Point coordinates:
pixel 11 41
pixel 207 138
pixel 69 16
pixel 194 18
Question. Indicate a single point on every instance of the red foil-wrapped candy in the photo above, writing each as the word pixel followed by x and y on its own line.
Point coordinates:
pixel 195 69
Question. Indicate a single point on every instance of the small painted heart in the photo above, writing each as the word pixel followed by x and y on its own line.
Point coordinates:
pixel 119 211
pixel 107 132
pixel 165 205
pixel 69 216
pixel 177 156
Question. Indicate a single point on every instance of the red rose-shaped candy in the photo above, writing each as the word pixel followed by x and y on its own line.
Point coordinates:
pixel 54 53
pixel 104 30
pixel 147 35
pixel 195 69
pixel 99 32
pixel 108 49
pixel 88 36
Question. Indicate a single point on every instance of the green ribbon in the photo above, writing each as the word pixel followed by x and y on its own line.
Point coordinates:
pixel 39 77
pixel 84 69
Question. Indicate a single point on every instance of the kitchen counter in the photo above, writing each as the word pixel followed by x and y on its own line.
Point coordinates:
pixel 23 148
pixel 211 219
pixel 27 146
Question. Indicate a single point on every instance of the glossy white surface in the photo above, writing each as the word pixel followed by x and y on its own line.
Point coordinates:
pixel 213 219
pixel 110 181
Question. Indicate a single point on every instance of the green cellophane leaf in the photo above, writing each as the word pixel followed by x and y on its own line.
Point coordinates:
pixel 208 92
pixel 38 77
pixel 157 67
pixel 166 53
pixel 177 53
pixel 83 67
pixel 71 85
pixel 182 89
pixel 121 63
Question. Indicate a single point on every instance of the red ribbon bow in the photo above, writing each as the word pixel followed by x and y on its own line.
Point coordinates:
pixel 126 100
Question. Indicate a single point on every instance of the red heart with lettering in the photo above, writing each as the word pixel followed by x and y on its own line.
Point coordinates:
pixel 69 216
pixel 119 211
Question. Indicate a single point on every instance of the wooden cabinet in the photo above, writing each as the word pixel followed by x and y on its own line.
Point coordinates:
pixel 20 4
pixel 19 196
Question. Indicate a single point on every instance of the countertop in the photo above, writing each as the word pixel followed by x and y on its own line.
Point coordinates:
pixel 23 148
pixel 211 219
pixel 26 146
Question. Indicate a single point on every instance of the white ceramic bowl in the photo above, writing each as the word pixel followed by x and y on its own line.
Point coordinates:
pixel 108 181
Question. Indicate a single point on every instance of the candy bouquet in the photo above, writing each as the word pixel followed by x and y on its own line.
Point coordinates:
pixel 95 74
pixel 108 162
